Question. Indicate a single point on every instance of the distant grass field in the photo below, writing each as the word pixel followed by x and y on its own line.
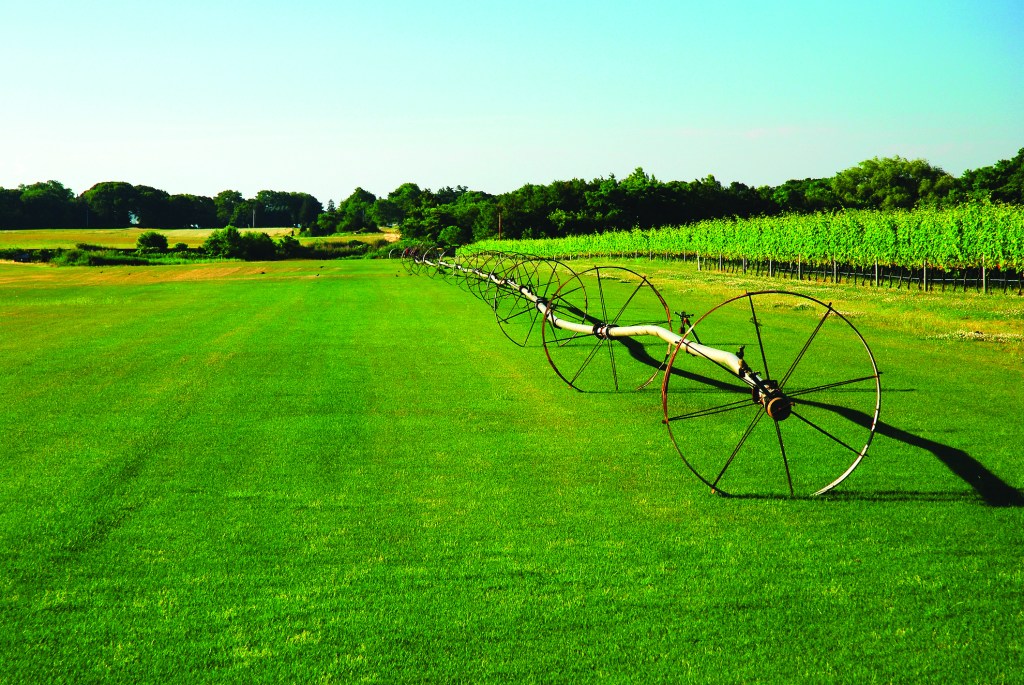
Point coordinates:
pixel 334 471
pixel 122 238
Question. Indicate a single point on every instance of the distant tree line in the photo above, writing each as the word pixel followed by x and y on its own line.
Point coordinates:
pixel 454 216
pixel 115 204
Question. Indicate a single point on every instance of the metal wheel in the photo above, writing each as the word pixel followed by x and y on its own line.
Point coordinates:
pixel 478 279
pixel 518 315
pixel 807 430
pixel 612 296
pixel 432 261
pixel 409 255
pixel 492 286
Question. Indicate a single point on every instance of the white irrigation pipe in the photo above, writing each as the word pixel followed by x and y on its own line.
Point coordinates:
pixel 725 359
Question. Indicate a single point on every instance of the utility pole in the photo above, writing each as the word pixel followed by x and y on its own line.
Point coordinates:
pixel 499 224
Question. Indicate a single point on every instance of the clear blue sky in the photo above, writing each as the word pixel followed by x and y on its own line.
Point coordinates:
pixel 321 97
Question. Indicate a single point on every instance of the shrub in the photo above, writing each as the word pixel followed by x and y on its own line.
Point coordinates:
pixel 289 247
pixel 152 241
pixel 224 243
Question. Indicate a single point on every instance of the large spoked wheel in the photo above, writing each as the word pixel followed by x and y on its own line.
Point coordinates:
pixel 809 425
pixel 492 287
pixel 595 361
pixel 479 281
pixel 432 261
pixel 409 256
pixel 515 305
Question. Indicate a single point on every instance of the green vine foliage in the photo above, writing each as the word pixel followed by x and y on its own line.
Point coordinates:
pixel 968 235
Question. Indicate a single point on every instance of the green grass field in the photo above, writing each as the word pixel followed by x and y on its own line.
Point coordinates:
pixel 334 471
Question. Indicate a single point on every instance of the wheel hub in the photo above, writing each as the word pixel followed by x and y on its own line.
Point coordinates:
pixel 776 404
pixel 778 407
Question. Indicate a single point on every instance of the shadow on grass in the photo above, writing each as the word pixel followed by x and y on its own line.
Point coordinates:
pixel 990 487
pixel 993 490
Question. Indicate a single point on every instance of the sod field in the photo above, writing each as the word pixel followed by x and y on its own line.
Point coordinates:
pixel 338 472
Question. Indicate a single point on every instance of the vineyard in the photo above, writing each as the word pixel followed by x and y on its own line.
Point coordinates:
pixel 970 246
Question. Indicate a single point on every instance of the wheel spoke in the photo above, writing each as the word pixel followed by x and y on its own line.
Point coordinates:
pixel 731 406
pixel 562 296
pixel 829 386
pixel 782 448
pixel 533 323
pixel 746 434
pixel 824 432
pixel 586 362
pixel 562 342
pixel 515 316
pixel 611 354
pixel 807 345
pixel 760 344
pixel 626 304
pixel 600 292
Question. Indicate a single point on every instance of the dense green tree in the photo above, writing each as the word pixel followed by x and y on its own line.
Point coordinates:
pixel 246 214
pixel 309 209
pixel 47 205
pixel 275 208
pixel 289 247
pixel 192 211
pixel 257 246
pixel 807 195
pixel 1000 182
pixel 892 183
pixel 226 242
pixel 152 241
pixel 11 212
pixel 151 208
pixel 225 203
pixel 385 212
pixel 111 204
pixel 354 213
pixel 406 198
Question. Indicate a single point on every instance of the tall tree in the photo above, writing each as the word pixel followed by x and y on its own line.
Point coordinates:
pixel 152 208
pixel 111 204
pixel 47 205
pixel 192 211
pixel 11 212
pixel 892 183
pixel 1000 182
pixel 225 202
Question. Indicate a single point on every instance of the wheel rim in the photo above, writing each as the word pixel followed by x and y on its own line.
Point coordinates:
pixel 825 372
pixel 606 295
pixel 517 315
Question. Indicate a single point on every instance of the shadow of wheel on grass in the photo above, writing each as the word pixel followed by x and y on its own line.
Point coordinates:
pixel 992 490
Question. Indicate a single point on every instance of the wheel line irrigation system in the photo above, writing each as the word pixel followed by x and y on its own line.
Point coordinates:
pixel 608 329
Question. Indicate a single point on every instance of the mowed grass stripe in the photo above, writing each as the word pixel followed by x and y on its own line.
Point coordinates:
pixel 346 473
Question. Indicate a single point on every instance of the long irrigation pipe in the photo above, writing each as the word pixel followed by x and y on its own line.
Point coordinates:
pixel 602 330
pixel 766 392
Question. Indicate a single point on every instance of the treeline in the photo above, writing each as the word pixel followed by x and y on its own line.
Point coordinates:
pixel 116 204
pixel 456 216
